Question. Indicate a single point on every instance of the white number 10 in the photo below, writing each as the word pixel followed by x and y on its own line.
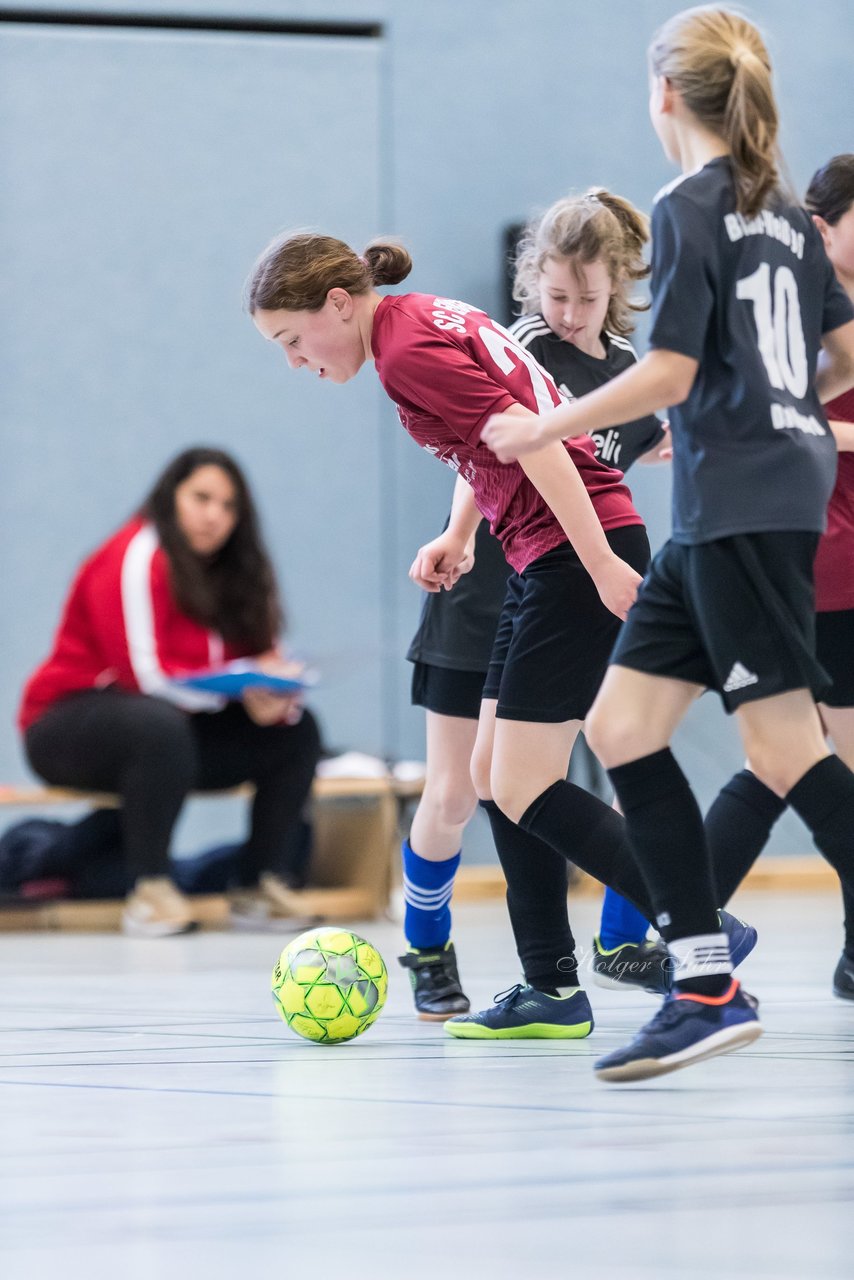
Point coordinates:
pixel 778 326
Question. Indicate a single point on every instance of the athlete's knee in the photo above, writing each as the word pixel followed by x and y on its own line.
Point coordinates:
pixel 614 737
pixel 778 770
pixel 480 769
pixel 512 795
pixel 449 801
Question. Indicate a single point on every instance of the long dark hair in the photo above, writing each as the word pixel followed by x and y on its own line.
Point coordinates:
pixel 234 591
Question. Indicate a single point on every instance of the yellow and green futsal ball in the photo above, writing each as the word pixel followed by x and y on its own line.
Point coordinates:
pixel 329 985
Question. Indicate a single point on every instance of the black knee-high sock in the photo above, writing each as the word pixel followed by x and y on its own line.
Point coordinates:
pixel 588 832
pixel 848 904
pixel 536 902
pixel 738 825
pixel 665 828
pixel 824 799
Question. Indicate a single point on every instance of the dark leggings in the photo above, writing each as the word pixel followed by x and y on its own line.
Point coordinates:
pixel 152 754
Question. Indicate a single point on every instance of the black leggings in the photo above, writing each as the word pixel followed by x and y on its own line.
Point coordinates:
pixel 152 754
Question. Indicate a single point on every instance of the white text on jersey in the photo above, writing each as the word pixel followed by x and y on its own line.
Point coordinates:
pixel 765 223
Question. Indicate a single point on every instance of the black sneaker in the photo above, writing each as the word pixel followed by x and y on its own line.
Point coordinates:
pixel 843 978
pixel 632 964
pixel 648 965
pixel 435 982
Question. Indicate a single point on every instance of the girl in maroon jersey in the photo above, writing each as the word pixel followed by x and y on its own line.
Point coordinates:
pixel 184 584
pixel 567 526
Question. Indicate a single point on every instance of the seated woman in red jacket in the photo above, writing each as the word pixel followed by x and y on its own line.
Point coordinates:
pixel 183 585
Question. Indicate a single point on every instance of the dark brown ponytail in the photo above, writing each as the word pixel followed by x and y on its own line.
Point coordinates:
pixel 387 262
pixel 296 271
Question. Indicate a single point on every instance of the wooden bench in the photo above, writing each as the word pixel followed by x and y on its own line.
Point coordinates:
pixel 355 825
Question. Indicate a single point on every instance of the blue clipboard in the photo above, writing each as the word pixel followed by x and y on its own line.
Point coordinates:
pixel 234 678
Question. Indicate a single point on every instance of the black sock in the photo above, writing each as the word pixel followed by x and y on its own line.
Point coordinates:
pixel 589 833
pixel 824 799
pixel 536 902
pixel 848 906
pixel 666 831
pixel 738 825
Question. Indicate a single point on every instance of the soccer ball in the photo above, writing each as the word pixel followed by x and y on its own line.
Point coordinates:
pixel 329 985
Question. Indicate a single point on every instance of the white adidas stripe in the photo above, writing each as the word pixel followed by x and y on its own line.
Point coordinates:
pixel 526 325
pixel 619 341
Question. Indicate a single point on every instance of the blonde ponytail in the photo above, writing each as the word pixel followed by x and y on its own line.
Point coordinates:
pixel 718 62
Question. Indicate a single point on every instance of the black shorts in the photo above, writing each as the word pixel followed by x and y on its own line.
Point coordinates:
pixel 735 615
pixel 834 648
pixel 446 691
pixel 555 635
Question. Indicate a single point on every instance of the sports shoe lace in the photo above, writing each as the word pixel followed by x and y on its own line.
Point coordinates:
pixel 671 1011
pixel 510 996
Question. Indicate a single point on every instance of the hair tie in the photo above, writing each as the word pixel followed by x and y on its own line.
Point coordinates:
pixel 741 55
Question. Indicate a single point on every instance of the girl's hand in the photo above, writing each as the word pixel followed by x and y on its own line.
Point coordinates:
pixel 617 584
pixel 510 435
pixel 441 563
pixel 266 708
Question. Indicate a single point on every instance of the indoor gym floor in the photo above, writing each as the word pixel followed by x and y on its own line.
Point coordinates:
pixel 159 1121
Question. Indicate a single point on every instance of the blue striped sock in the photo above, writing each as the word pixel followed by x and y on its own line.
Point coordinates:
pixel 621 922
pixel 427 889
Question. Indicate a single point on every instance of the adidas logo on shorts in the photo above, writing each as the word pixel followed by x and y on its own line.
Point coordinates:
pixel 739 678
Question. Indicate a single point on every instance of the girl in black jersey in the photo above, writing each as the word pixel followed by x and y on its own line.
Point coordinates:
pixel 574 270
pixel 740 820
pixel 751 332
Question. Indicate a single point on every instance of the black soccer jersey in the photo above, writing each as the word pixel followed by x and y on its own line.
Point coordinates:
pixel 576 373
pixel 457 627
pixel 749 299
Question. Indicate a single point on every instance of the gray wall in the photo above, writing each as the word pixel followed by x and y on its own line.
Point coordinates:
pixel 142 170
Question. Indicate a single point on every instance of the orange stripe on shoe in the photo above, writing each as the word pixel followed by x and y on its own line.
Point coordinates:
pixel 724 999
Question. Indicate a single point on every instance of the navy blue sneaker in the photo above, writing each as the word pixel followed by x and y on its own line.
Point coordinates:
pixel 742 937
pixel 686 1029
pixel 522 1013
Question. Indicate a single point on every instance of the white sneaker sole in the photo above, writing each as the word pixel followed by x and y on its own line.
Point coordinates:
pixel 155 929
pixel 726 1041
pixel 271 924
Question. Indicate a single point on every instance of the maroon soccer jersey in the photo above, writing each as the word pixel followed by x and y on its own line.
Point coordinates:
pixel 834 563
pixel 448 367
